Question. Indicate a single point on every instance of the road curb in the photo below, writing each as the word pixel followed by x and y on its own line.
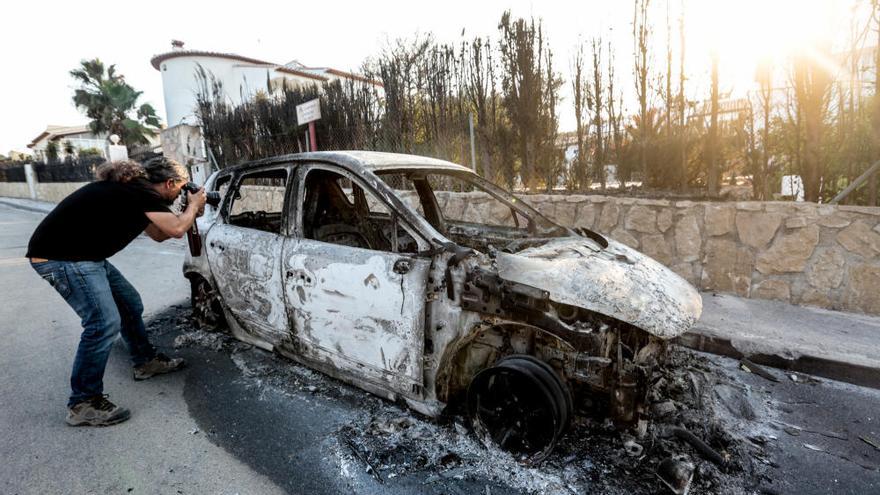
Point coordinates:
pixel 856 374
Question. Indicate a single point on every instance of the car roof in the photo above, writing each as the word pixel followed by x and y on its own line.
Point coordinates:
pixel 357 161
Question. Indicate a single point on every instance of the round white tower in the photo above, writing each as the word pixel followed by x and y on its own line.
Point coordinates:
pixel 239 77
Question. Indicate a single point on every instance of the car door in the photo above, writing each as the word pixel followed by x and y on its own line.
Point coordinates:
pixel 356 302
pixel 244 253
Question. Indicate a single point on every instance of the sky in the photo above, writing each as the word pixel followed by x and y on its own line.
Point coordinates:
pixel 42 41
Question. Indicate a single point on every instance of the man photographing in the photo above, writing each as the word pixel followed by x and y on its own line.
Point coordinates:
pixel 69 249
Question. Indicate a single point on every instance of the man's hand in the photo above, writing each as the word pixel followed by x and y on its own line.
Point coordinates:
pixel 198 198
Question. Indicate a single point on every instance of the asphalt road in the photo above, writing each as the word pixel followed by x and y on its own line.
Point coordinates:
pixel 240 420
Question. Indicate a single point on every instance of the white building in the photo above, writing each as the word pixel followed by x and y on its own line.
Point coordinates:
pixel 19 155
pixel 79 136
pixel 240 78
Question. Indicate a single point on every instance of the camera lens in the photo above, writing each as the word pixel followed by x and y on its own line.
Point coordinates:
pixel 213 198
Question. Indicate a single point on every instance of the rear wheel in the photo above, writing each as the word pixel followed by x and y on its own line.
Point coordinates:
pixel 206 306
pixel 520 405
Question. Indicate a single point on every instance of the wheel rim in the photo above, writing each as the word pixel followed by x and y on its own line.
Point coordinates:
pixel 519 407
pixel 206 307
pixel 554 382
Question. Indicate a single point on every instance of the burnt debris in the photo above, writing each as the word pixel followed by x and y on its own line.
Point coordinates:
pixel 595 454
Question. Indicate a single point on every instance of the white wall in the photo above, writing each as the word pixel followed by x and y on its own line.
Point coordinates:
pixel 240 81
pixel 15 190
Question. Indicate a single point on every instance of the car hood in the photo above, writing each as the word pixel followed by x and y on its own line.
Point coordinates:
pixel 616 281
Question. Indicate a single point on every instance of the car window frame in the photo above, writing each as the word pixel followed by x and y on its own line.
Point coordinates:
pixel 235 183
pixel 298 195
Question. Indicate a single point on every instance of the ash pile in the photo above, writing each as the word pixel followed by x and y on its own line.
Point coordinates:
pixel 704 432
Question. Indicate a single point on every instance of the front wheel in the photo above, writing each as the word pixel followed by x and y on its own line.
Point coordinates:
pixel 207 310
pixel 520 405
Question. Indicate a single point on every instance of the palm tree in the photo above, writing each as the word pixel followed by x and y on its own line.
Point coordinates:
pixel 52 151
pixel 109 101
pixel 69 151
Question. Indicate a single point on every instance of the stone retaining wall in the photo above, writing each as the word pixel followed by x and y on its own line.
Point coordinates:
pixel 803 253
pixel 15 190
pixel 52 192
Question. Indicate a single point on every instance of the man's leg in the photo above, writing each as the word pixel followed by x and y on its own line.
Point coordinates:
pixel 147 362
pixel 92 300
pixel 131 310
pixel 84 286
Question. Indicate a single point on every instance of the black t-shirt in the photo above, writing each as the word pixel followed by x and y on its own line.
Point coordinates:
pixel 95 222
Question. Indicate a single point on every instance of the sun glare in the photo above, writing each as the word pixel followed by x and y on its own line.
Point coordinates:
pixel 745 33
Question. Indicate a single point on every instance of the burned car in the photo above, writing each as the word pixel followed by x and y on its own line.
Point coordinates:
pixel 419 281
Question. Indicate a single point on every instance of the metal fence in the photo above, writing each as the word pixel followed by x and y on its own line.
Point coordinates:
pixel 12 172
pixel 70 171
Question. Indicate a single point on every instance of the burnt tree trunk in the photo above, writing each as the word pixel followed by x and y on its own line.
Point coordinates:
pixel 712 175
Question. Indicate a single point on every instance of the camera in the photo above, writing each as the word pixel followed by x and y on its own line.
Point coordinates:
pixel 213 197
pixel 193 238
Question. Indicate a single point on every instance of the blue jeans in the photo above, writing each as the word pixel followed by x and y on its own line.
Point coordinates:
pixel 108 305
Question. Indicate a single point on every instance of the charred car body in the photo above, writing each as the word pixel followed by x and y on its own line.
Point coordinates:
pixel 419 281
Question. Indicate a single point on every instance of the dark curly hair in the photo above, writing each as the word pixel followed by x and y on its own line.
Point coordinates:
pixel 156 170
pixel 120 171
pixel 160 169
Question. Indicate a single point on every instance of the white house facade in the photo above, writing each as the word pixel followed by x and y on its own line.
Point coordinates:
pixel 79 136
pixel 240 78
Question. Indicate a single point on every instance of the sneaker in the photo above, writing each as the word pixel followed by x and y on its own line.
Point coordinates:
pixel 157 366
pixel 96 411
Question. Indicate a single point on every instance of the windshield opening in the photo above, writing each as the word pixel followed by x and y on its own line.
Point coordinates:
pixel 469 210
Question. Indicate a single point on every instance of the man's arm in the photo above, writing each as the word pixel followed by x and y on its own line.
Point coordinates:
pixel 172 225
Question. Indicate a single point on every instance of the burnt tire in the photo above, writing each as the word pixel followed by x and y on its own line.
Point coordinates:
pixel 558 384
pixel 207 310
pixel 520 405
